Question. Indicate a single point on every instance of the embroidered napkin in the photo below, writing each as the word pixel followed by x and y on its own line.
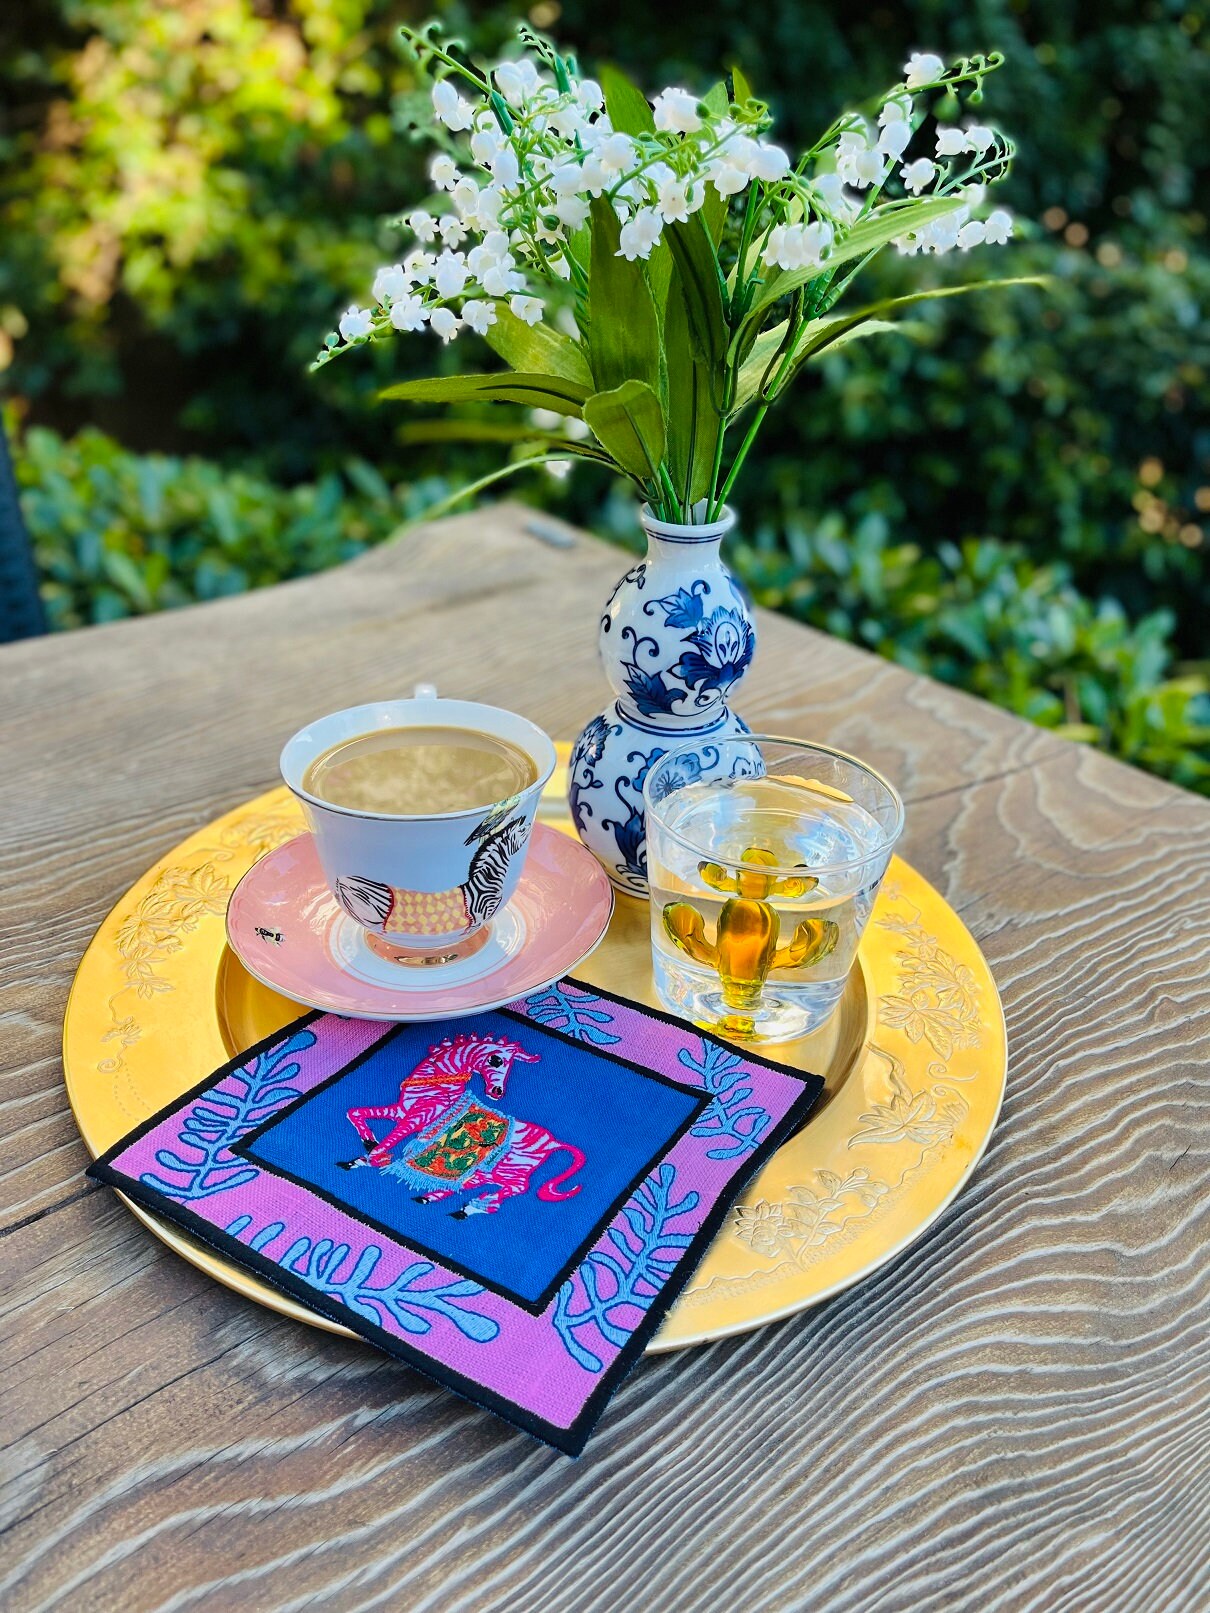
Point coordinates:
pixel 509 1203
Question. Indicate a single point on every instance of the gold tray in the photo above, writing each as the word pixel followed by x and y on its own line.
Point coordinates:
pixel 914 1061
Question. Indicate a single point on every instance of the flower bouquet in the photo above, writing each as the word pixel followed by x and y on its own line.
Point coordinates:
pixel 655 275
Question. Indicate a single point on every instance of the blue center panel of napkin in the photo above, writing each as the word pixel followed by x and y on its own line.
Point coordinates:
pixel 623 1118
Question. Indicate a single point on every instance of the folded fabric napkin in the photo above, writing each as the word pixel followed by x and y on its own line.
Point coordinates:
pixel 509 1203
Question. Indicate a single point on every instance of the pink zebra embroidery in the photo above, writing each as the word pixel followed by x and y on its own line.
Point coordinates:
pixel 445 1141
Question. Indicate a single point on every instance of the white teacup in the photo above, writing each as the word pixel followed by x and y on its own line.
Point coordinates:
pixel 423 887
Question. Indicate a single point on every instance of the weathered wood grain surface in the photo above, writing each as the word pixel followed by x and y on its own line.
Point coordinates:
pixel 1015 1415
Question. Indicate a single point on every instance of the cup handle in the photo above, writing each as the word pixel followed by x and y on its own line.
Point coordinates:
pixel 425 691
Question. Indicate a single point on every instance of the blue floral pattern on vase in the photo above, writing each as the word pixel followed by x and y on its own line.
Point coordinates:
pixel 675 639
pixel 721 652
pixel 583 779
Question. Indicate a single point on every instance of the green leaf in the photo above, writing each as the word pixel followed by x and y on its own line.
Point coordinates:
pixel 742 90
pixel 716 100
pixel 819 335
pixel 628 109
pixel 471 488
pixel 577 448
pixel 659 277
pixel 883 225
pixel 714 208
pixel 629 424
pixel 701 287
pixel 536 349
pixel 523 433
pixel 455 430
pixel 623 329
pixel 694 422
pixel 554 392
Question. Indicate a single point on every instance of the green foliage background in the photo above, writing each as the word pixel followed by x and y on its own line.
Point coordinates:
pixel 1015 502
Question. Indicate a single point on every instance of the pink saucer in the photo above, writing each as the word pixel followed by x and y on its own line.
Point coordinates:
pixel 287 929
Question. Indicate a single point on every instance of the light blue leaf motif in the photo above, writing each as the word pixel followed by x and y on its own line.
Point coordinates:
pixel 201 1163
pixel 572 1009
pixel 265 1236
pixel 404 1300
pixel 596 1299
pixel 735 1124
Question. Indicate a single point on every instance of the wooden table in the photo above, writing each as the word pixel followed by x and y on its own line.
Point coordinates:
pixel 1016 1414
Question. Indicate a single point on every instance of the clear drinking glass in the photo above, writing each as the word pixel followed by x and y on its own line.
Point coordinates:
pixel 762 879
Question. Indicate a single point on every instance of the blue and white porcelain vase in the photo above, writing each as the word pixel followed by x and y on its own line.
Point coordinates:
pixel 675 639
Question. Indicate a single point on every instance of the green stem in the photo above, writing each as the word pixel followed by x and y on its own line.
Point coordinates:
pixel 672 506
pixel 737 463
pixel 739 297
pixel 421 44
pixel 469 491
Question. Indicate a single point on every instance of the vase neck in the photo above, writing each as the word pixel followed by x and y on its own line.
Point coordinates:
pixel 682 551
pixel 669 538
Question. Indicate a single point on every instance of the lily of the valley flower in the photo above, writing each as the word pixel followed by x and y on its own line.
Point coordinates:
pixel 639 234
pixel 951 142
pixel 859 162
pixel 422 225
pixel 390 283
pixel 355 323
pixel 527 308
pixel 836 199
pixel 517 80
pixel 918 174
pixel 677 111
pixel 478 316
pixel 674 201
pixel 922 68
pixel 797 246
pixel 769 163
pixel 450 275
pixel 521 184
pixel 451 108
pixel 408 313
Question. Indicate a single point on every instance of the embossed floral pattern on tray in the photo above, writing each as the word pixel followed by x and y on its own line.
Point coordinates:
pixel 870 1172
pixel 934 1001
